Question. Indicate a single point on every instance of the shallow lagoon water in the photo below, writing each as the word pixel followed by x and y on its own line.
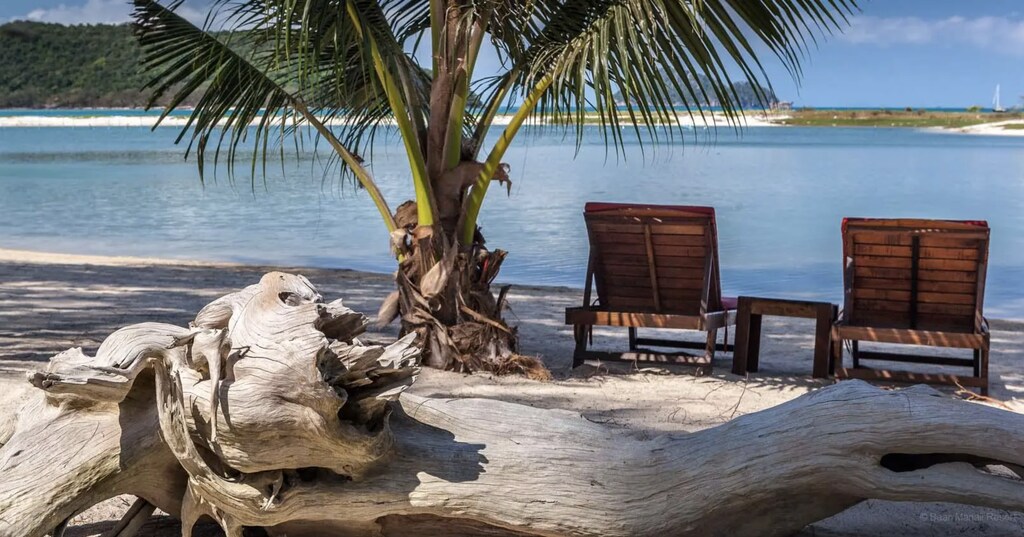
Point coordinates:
pixel 780 193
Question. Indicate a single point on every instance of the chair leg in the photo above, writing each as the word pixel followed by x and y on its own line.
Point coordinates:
pixel 977 362
pixel 579 333
pixel 632 338
pixel 855 353
pixel 984 370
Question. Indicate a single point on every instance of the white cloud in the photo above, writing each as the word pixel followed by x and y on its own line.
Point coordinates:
pixel 97 11
pixel 93 11
pixel 1003 34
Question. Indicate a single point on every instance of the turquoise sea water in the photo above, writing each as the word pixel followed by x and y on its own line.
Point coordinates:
pixel 780 194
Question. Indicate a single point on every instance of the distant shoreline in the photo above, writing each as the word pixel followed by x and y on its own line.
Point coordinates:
pixel 955 122
pixel 29 120
pixel 962 122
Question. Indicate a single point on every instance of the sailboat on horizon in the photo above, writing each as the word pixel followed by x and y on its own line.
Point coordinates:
pixel 996 106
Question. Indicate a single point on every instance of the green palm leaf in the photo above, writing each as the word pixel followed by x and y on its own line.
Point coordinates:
pixel 243 97
pixel 650 50
pixel 568 56
pixel 623 63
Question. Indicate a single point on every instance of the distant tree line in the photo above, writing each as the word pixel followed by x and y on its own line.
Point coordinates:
pixel 52 65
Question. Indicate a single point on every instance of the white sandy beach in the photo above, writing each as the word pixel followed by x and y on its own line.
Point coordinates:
pixel 997 128
pixel 716 119
pixel 49 302
pixel 149 121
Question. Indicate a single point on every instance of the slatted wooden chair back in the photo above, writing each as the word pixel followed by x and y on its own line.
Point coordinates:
pixel 915 274
pixel 653 258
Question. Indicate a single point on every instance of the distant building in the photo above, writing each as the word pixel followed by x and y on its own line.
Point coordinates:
pixel 782 106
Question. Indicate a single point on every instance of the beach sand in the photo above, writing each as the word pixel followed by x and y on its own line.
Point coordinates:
pixel 105 119
pixel 49 302
pixel 1013 127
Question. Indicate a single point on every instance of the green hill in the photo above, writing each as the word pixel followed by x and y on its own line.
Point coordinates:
pixel 52 65
pixel 97 65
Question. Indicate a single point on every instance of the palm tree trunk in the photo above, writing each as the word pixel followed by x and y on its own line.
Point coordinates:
pixel 444 279
pixel 449 303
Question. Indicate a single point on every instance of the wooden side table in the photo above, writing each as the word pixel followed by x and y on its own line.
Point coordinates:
pixel 748 330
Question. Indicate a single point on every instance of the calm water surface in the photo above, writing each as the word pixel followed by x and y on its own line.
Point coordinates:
pixel 780 195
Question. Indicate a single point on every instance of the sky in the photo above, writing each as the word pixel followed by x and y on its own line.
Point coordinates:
pixel 895 53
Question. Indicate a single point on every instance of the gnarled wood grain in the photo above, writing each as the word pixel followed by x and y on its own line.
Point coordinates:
pixel 312 439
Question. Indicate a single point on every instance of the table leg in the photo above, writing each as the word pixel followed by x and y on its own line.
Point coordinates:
pixel 579 333
pixel 836 360
pixel 740 346
pixel 754 346
pixel 822 338
pixel 832 361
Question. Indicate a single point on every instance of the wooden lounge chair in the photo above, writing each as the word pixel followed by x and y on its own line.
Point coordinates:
pixel 653 266
pixel 914 282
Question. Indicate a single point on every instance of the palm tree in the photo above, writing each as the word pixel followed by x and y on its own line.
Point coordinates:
pixel 347 69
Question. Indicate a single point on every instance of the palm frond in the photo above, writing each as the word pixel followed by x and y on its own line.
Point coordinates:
pixel 328 59
pixel 186 60
pixel 633 57
pixel 244 97
pixel 566 56
pixel 409 19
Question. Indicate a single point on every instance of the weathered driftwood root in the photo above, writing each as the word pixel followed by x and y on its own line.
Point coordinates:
pixel 305 446
pixel 293 389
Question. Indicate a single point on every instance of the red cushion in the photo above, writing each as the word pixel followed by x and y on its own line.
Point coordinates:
pixel 598 206
pixel 730 302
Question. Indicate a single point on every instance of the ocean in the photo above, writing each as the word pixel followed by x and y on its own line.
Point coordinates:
pixel 780 193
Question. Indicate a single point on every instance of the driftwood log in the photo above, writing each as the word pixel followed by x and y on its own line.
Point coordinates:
pixel 269 413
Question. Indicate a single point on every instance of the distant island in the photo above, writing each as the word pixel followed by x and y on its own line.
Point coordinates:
pixel 98 66
pixel 920 118
pixel 57 66
pixel 745 94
